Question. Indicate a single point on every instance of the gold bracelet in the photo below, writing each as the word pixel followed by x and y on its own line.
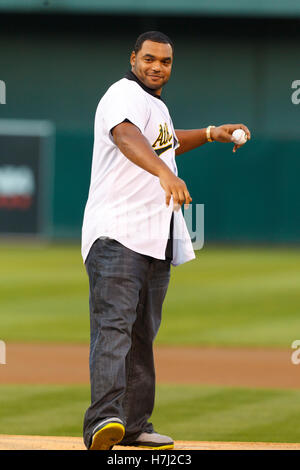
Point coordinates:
pixel 209 139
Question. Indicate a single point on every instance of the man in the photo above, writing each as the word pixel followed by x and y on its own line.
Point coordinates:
pixel 133 229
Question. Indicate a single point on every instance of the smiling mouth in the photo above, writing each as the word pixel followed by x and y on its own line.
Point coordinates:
pixel 154 76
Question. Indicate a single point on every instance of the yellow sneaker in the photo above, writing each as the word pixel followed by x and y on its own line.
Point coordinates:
pixel 153 440
pixel 107 433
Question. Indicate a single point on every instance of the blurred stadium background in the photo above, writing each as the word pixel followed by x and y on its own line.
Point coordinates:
pixel 232 64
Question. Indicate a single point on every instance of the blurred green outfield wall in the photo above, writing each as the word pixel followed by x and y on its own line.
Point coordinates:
pixel 215 7
pixel 225 70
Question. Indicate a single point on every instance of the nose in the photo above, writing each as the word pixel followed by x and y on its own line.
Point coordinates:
pixel 156 66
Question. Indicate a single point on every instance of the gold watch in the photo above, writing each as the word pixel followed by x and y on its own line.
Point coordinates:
pixel 209 139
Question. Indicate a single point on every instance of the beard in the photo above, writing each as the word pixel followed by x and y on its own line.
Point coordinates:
pixel 147 80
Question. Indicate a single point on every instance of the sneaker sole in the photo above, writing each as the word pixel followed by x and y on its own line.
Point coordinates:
pixel 107 436
pixel 162 447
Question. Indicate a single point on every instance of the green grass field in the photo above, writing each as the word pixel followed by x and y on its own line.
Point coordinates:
pixel 227 296
pixel 184 412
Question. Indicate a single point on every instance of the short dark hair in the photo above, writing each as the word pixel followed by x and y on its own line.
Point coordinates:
pixel 155 36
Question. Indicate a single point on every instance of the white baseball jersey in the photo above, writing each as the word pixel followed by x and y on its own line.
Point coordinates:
pixel 125 202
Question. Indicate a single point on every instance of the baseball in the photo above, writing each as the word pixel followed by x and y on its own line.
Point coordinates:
pixel 239 137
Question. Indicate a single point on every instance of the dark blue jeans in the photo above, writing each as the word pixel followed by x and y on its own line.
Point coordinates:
pixel 127 290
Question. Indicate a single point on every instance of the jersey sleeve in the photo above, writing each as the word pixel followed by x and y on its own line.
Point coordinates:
pixel 125 104
pixel 176 141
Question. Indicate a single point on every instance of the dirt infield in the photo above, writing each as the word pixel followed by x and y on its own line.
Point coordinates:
pixel 75 443
pixel 68 364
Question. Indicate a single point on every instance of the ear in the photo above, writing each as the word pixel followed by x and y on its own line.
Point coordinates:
pixel 132 58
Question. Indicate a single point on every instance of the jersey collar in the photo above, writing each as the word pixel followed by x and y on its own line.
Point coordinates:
pixel 131 76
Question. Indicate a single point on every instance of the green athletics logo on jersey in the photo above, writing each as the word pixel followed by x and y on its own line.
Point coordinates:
pixel 163 141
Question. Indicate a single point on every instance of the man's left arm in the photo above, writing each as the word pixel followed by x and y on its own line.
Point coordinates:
pixel 191 139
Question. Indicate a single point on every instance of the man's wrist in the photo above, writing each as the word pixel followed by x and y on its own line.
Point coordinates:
pixel 209 132
pixel 163 170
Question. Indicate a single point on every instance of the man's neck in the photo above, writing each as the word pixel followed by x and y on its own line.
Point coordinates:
pixel 131 76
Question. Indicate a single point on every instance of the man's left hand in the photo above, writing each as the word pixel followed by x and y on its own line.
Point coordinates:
pixel 224 133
